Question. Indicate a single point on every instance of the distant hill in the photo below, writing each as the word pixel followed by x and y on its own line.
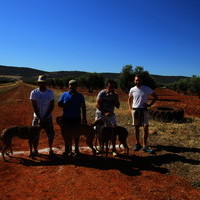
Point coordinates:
pixel 167 79
pixel 28 74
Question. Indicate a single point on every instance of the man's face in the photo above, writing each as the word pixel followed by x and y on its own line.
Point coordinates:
pixel 110 87
pixel 138 81
pixel 72 87
pixel 42 85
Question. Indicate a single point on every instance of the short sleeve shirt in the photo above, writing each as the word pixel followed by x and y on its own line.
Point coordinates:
pixel 73 111
pixel 140 95
pixel 108 103
pixel 42 99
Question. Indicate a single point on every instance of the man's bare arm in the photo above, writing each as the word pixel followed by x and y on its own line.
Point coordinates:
pixel 130 102
pixel 35 109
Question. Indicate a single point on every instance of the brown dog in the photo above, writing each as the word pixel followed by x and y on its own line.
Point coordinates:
pixel 31 133
pixel 111 134
pixel 70 132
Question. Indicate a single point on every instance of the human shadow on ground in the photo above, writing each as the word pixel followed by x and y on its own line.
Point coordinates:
pixel 175 149
pixel 131 165
pixel 162 159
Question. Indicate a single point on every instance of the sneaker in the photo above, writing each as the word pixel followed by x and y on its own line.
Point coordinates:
pixel 115 154
pixel 137 147
pixel 100 150
pixel 146 149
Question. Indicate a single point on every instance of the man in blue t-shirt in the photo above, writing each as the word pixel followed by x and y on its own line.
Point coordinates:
pixel 73 104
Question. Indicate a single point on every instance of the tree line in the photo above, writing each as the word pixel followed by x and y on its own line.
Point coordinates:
pixel 186 86
pixel 94 81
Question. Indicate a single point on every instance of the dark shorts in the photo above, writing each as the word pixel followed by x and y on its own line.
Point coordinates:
pixel 48 127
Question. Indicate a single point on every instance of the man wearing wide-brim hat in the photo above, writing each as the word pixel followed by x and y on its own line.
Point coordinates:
pixel 43 103
pixel 73 104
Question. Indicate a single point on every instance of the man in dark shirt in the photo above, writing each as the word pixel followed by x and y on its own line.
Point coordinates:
pixel 106 102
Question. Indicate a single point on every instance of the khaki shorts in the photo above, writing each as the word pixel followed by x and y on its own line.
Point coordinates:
pixel 136 122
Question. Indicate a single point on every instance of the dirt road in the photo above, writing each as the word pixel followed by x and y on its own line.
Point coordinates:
pixel 134 177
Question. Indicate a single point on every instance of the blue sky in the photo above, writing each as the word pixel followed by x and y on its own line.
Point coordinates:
pixel 163 36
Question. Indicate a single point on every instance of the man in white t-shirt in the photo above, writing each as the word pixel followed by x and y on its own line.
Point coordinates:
pixel 137 101
pixel 43 103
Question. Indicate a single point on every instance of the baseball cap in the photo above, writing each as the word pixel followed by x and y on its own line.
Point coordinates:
pixel 73 82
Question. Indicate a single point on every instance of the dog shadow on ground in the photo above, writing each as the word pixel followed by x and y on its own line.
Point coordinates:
pixel 131 165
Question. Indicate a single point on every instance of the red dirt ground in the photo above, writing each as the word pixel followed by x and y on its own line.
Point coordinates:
pixel 190 104
pixel 84 178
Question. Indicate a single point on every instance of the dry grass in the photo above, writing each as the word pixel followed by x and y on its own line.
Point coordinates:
pixel 12 77
pixel 181 143
pixel 6 87
pixel 177 145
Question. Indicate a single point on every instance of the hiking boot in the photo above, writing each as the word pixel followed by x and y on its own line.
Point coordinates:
pixel 137 147
pixel 146 149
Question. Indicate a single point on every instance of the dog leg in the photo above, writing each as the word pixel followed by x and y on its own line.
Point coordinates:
pixel 89 142
pixel 113 139
pixel 3 153
pixel 107 148
pixel 30 147
pixel 122 141
pixel 7 145
pixel 68 143
pixel 11 151
pixel 76 141
pixel 126 148
pixel 33 143
pixel 70 148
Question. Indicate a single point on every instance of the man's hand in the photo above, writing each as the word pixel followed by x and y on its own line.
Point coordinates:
pixel 107 114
